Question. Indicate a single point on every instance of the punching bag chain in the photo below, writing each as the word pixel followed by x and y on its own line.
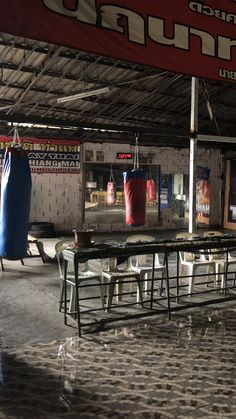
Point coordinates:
pixel 111 175
pixel 16 138
pixel 136 153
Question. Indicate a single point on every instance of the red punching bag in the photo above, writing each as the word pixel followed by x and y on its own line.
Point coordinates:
pixel 111 190
pixel 151 190
pixel 135 197
pixel 111 193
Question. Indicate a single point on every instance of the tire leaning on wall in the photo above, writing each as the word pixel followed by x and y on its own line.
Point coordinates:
pixel 41 229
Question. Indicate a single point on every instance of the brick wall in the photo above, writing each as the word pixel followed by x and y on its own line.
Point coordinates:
pixel 172 161
pixel 55 197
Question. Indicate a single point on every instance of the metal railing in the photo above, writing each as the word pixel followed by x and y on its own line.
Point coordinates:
pixel 166 294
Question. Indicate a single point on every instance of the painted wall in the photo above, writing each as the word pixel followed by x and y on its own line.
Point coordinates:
pixel 55 167
pixel 56 193
pixel 172 161
pixel 55 198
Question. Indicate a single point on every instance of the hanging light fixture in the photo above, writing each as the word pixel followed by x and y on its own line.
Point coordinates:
pixel 81 95
pixel 88 93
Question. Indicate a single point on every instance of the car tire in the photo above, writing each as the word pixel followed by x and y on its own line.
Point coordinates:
pixel 40 229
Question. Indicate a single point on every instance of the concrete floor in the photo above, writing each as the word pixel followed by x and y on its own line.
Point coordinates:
pixel 29 303
pixel 151 369
pixel 29 296
pixel 181 369
pixel 113 216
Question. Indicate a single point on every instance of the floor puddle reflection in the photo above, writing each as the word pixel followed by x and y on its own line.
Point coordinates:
pixel 156 369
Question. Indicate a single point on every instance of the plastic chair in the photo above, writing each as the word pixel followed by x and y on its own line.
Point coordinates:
pixel 142 266
pixel 85 274
pixel 113 276
pixel 189 260
pixel 59 247
pixel 220 259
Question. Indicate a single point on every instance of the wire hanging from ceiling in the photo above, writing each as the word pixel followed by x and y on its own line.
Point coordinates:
pixel 210 110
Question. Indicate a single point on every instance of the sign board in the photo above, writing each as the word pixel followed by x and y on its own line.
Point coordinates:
pixel 124 156
pixel 47 156
pixel 191 37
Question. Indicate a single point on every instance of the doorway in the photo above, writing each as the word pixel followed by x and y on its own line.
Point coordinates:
pixel 97 210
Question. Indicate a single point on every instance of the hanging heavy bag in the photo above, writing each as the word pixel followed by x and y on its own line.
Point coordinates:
pixel 15 204
pixel 111 190
pixel 111 193
pixel 135 197
pixel 151 190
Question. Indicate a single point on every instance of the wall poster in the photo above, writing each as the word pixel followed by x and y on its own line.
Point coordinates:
pixel 230 195
pixel 166 191
pixel 203 189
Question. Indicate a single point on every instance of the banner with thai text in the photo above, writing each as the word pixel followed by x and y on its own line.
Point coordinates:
pixel 191 37
pixel 47 156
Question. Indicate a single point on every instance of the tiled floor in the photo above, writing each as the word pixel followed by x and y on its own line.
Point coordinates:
pixel 153 369
pixel 156 369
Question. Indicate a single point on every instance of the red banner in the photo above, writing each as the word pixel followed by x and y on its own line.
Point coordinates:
pixel 192 37
pixel 47 156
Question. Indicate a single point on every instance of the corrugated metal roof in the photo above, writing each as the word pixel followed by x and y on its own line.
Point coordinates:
pixel 152 102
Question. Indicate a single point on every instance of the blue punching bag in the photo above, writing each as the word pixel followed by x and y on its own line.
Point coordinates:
pixel 15 204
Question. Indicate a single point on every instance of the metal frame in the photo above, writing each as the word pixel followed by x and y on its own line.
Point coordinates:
pixel 126 250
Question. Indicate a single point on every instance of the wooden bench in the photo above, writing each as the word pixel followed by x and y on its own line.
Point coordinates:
pixel 30 252
pixel 39 246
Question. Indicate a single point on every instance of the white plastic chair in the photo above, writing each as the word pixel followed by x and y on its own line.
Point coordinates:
pixel 220 259
pixel 59 247
pixel 113 276
pixel 190 261
pixel 85 274
pixel 140 263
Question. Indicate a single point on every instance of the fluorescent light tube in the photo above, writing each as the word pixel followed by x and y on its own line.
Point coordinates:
pixel 210 111
pixel 216 138
pixel 83 94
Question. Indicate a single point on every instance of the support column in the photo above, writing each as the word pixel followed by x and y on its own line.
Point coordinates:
pixel 192 186
pixel 193 151
pixel 81 207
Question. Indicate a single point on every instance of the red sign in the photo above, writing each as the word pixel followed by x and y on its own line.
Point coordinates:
pixel 191 37
pixel 48 156
pixel 124 156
